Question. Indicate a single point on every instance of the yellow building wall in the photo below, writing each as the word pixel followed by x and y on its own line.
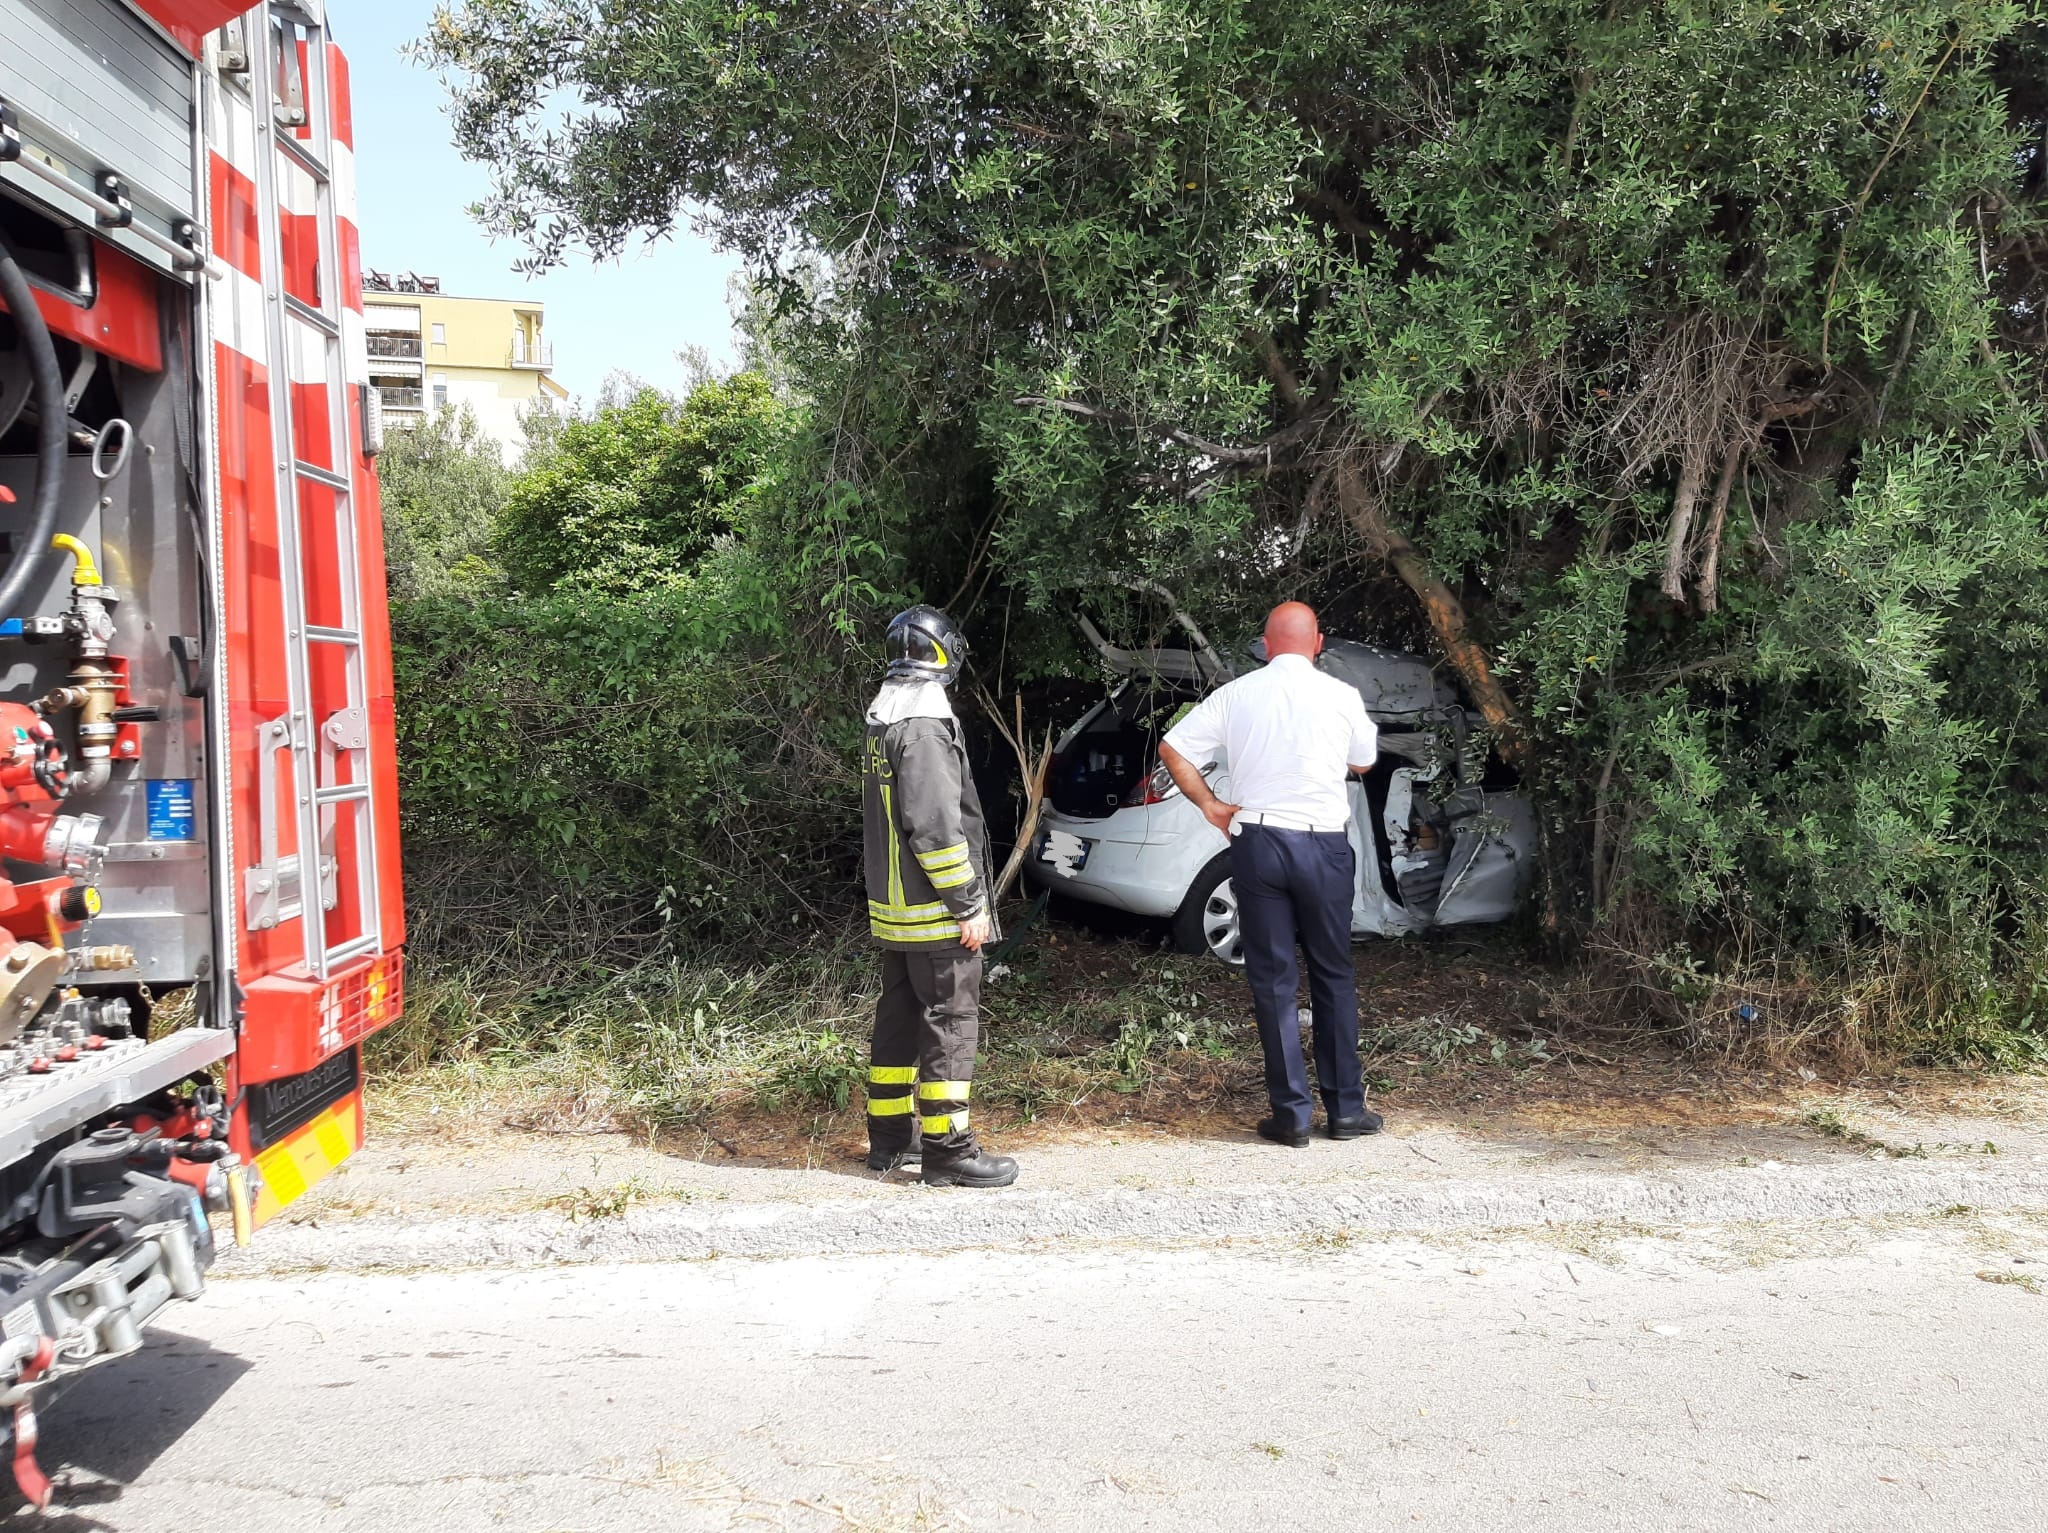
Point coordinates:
pixel 467 353
pixel 478 331
pixel 504 383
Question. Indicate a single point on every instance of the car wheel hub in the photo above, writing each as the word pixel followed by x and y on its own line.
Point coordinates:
pixel 1220 930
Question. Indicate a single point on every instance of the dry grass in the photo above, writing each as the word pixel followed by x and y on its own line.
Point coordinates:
pixel 1088 1033
pixel 1961 992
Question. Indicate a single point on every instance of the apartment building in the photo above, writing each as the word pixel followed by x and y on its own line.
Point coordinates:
pixel 429 348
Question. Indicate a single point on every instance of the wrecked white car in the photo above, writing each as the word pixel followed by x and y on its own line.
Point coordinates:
pixel 1441 834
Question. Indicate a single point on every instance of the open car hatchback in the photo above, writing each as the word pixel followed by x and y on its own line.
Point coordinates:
pixel 1441 832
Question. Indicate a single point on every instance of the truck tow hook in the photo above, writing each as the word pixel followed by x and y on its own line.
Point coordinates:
pixel 28 1474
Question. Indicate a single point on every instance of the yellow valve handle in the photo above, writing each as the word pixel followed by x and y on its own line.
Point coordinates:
pixel 86 573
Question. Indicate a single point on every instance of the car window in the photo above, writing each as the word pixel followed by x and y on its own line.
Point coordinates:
pixel 1152 705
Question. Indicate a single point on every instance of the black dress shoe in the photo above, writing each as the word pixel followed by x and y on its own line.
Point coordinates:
pixel 1280 1133
pixel 1356 1128
pixel 976 1168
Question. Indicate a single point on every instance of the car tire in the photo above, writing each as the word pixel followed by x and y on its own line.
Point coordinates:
pixel 1207 919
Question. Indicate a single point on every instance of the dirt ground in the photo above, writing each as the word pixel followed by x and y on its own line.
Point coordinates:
pixel 1663 1107
pixel 1643 1119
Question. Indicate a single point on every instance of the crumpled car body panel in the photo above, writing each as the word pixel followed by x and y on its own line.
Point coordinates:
pixel 1434 846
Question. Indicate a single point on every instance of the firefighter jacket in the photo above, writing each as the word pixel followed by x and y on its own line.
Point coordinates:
pixel 927 851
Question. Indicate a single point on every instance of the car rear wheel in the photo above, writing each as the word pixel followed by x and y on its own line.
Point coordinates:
pixel 1207 919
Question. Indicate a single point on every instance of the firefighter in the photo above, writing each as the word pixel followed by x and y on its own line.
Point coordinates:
pixel 931 905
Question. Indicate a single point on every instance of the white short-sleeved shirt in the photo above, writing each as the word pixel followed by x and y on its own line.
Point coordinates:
pixel 1288 733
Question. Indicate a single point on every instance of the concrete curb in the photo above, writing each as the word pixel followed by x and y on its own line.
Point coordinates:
pixel 928 1221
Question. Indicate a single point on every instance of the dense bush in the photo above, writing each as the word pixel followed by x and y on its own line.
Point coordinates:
pixel 443 487
pixel 659 757
pixel 615 722
pixel 632 496
pixel 1673 371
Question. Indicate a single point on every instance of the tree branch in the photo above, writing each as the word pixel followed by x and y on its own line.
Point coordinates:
pixel 1034 780
pixel 1284 381
pixel 1342 214
pixel 1710 562
pixel 2034 443
pixel 1898 366
pixel 1863 197
pixel 1262 451
pixel 1792 409
pixel 1391 458
pixel 1445 612
pixel 1600 830
pixel 975 555
pixel 1692 470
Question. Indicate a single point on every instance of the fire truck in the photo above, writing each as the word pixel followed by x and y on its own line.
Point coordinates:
pixel 200 908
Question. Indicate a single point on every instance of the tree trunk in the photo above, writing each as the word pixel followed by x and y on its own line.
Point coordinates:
pixel 1710 560
pixel 1445 612
pixel 1692 469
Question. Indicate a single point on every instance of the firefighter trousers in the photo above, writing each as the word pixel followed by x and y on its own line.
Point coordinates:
pixel 921 1070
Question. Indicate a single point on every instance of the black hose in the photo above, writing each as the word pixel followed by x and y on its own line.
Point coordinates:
pixel 52 424
pixel 178 374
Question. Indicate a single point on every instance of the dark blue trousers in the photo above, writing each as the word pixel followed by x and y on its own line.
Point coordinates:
pixel 1296 885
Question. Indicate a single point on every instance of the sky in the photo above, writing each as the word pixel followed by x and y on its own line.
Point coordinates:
pixel 412 190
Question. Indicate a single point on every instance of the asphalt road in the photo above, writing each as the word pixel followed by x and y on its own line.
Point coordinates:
pixel 1842 1377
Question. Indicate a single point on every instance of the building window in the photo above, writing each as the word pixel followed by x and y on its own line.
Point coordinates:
pixel 440 388
pixel 440 333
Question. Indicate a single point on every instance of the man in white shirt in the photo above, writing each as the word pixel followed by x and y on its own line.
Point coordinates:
pixel 1290 734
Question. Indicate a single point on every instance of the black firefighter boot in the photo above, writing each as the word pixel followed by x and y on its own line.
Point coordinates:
pixel 967 1165
pixel 883 1158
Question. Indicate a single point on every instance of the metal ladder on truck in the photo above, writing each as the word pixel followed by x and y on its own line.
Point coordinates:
pixel 290 89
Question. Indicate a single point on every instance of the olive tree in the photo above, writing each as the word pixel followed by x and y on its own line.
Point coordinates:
pixel 1676 363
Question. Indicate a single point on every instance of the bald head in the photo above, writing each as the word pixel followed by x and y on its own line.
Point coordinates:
pixel 1291 629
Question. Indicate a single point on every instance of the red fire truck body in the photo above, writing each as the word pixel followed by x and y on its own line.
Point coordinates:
pixel 200 909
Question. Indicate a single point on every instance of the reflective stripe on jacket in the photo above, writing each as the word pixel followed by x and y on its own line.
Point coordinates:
pixel 927 852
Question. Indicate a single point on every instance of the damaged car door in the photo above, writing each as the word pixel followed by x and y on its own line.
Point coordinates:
pixel 1441 838
pixel 1448 850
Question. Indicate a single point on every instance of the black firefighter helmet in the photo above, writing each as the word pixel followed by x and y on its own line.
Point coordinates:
pixel 925 645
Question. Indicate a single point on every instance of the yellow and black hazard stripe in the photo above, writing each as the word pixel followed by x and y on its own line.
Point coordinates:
pixel 889 1090
pixel 307 1156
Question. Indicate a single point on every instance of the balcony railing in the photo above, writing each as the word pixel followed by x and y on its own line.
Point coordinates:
pixel 401 399
pixel 526 353
pixel 394 346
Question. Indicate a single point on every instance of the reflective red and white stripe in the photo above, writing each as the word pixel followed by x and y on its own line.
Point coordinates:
pixel 253 602
pixel 376 620
pixel 238 310
pixel 342 164
pixel 248 301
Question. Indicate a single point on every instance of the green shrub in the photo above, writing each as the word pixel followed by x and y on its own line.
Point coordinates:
pixel 442 483
pixel 665 762
pixel 633 496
